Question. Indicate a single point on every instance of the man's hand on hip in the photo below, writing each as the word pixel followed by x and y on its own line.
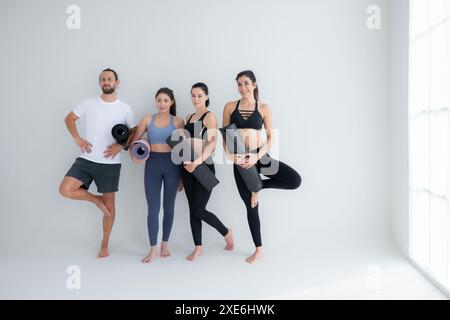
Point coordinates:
pixel 112 150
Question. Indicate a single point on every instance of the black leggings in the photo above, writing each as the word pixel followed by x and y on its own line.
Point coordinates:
pixel 198 198
pixel 284 178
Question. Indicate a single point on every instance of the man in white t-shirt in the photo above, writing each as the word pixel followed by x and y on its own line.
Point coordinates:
pixel 100 158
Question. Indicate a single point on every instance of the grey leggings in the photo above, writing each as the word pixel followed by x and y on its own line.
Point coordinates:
pixel 159 168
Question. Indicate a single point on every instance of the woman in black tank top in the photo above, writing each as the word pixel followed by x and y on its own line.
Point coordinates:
pixel 249 113
pixel 196 194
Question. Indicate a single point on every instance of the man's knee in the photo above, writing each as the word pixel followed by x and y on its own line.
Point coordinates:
pixel 110 203
pixel 65 190
pixel 112 211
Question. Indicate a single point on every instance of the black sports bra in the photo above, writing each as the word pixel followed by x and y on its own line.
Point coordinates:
pixel 193 128
pixel 247 119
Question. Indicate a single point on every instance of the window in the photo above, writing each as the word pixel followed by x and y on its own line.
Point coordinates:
pixel 429 142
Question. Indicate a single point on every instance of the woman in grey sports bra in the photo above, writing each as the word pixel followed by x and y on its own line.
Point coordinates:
pixel 160 170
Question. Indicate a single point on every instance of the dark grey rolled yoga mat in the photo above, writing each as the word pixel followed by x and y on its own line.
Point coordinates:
pixel 202 173
pixel 236 145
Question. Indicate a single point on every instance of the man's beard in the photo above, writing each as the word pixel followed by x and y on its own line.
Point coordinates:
pixel 108 90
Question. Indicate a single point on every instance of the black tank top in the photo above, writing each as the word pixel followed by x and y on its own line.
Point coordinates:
pixel 194 129
pixel 247 119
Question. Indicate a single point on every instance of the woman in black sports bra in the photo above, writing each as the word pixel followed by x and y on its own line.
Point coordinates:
pixel 248 114
pixel 203 142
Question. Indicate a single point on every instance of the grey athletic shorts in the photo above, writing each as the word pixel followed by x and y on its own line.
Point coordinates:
pixel 105 175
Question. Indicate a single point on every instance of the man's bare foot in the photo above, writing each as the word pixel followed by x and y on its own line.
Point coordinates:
pixel 103 253
pixel 164 250
pixel 152 255
pixel 196 253
pixel 101 205
pixel 229 240
pixel 256 256
pixel 254 199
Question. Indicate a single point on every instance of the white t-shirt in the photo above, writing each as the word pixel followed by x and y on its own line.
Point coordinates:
pixel 101 116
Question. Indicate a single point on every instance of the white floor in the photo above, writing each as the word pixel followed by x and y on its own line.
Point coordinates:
pixel 340 270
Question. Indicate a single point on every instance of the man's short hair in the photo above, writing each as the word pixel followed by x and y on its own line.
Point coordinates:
pixel 111 70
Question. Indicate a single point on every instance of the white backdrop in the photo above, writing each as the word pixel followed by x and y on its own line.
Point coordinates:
pixel 319 67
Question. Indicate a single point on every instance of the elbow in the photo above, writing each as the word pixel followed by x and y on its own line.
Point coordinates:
pixel 69 119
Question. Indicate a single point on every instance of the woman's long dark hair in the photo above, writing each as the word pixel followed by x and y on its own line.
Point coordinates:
pixel 204 88
pixel 169 92
pixel 249 74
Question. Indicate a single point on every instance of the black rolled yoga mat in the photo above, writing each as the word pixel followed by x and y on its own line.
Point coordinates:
pixel 236 145
pixel 120 133
pixel 202 173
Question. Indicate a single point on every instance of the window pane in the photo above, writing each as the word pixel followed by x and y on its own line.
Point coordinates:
pixel 438 238
pixel 419 16
pixel 429 141
pixel 420 152
pixel 419 76
pixel 447 283
pixel 439 153
pixel 438 68
pixel 420 228
pixel 439 10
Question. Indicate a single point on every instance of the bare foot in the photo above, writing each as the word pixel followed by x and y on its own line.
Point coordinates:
pixel 229 240
pixel 197 252
pixel 256 256
pixel 101 205
pixel 103 253
pixel 164 250
pixel 152 255
pixel 254 199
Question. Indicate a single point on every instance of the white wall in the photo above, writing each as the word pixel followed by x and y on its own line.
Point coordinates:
pixel 320 69
pixel 398 85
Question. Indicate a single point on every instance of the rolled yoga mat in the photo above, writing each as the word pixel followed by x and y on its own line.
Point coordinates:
pixel 139 151
pixel 120 133
pixel 202 173
pixel 236 145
